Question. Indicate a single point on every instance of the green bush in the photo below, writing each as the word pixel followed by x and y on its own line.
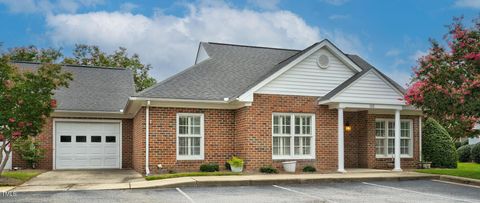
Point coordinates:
pixel 30 150
pixel 235 162
pixel 310 169
pixel 268 169
pixel 209 167
pixel 476 153
pixel 227 166
pixel 465 153
pixel 437 145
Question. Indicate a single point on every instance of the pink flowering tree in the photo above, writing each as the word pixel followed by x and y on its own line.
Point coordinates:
pixel 26 100
pixel 446 84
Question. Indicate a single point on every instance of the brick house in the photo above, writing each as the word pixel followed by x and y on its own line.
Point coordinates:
pixel 318 106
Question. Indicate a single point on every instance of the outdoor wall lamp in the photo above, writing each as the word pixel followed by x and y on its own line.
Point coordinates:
pixel 348 127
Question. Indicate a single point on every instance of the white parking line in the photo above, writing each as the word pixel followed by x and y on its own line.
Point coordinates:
pixel 413 191
pixel 302 193
pixel 185 195
pixel 454 183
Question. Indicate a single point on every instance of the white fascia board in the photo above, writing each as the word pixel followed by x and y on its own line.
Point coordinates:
pixel 185 103
pixel 88 114
pixel 248 95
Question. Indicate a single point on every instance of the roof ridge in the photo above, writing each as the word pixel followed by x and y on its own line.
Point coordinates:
pixel 74 65
pixel 251 46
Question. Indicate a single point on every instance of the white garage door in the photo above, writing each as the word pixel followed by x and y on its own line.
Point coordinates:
pixel 87 145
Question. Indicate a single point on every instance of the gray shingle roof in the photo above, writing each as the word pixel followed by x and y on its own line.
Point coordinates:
pixel 233 69
pixel 92 88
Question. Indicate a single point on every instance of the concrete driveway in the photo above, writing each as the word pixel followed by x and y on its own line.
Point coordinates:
pixel 67 179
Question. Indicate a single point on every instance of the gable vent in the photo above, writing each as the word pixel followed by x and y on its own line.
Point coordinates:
pixel 323 61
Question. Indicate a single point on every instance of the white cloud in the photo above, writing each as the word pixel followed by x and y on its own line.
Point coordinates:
pixel 265 4
pixel 335 2
pixel 392 52
pixel 48 6
pixel 467 3
pixel 170 42
pixel 338 17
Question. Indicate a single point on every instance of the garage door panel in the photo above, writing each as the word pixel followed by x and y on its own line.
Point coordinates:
pixel 87 145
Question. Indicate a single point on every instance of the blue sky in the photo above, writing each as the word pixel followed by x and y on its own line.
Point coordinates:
pixel 389 34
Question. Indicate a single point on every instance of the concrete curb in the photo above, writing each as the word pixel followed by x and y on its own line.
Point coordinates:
pixel 462 180
pixel 270 180
pixel 240 180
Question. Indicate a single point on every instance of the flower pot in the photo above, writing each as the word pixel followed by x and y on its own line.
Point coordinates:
pixel 289 166
pixel 238 169
pixel 426 165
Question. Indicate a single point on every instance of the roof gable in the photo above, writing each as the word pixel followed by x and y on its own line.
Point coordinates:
pixel 307 78
pixel 366 87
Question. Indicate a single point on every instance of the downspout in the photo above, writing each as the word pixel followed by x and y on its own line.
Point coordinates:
pixel 420 137
pixel 147 126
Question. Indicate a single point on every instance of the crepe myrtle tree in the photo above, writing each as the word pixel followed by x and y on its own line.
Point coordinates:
pixel 446 82
pixel 26 101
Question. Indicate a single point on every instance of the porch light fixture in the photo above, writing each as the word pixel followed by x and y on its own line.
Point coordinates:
pixel 348 127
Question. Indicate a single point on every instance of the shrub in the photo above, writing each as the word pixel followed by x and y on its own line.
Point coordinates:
pixel 227 166
pixel 209 167
pixel 29 150
pixel 476 153
pixel 458 144
pixel 464 153
pixel 268 169
pixel 309 169
pixel 235 162
pixel 437 145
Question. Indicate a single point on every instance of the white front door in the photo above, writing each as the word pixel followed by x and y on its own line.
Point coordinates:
pixel 87 145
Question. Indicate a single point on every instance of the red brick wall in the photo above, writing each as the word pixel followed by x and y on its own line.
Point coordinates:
pixel 138 144
pixel 254 133
pixel 46 140
pixel 219 138
pixel 373 162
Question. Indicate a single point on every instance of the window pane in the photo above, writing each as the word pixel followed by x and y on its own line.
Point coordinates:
pixel 391 146
pixel 182 146
pixel 65 138
pixel 183 120
pixel 81 138
pixel 96 139
pixel 297 125
pixel 286 125
pixel 110 139
pixel 380 146
pixel 281 145
pixel 391 129
pixel 275 120
pixel 276 146
pixel 306 145
pixel 296 144
pixel 195 130
pixel 404 146
pixel 380 129
pixel 196 120
pixel 405 129
pixel 182 130
pixel 275 129
pixel 195 145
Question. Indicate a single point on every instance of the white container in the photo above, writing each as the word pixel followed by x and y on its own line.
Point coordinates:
pixel 289 166
pixel 236 169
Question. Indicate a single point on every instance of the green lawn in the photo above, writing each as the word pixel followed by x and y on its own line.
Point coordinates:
pixel 177 175
pixel 12 178
pixel 21 175
pixel 467 170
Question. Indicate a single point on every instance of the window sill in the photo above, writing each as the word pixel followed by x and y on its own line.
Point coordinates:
pixel 390 157
pixel 190 158
pixel 293 158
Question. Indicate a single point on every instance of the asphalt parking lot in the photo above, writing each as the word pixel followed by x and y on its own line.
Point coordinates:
pixel 380 191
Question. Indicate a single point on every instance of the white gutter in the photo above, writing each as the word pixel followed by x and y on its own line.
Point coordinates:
pixel 147 125
pixel 420 136
pixel 178 100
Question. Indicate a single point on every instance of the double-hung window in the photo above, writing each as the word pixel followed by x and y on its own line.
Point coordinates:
pixel 190 136
pixel 293 136
pixel 385 138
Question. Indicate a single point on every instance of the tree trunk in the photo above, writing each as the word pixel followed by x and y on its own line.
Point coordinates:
pixel 7 156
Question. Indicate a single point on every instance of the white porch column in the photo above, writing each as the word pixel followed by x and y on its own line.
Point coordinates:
pixel 341 167
pixel 397 141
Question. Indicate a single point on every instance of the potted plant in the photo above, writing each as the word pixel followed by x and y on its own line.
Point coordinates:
pixel 289 166
pixel 424 164
pixel 236 164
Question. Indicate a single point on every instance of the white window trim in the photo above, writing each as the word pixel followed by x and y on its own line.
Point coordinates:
pixel 202 137
pixel 410 152
pixel 292 136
